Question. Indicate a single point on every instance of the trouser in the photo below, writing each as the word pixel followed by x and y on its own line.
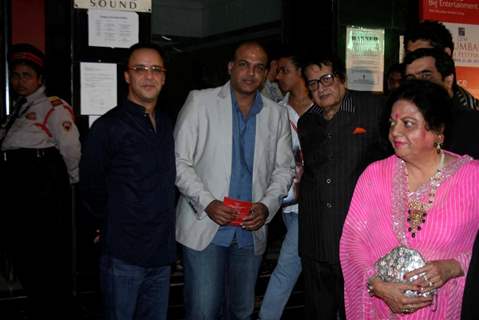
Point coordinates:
pixel 36 224
pixel 220 282
pixel 134 292
pixel 323 290
pixel 285 274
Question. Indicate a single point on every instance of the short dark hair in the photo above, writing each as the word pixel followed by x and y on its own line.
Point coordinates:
pixel 147 45
pixel 288 53
pixel 397 67
pixel 249 43
pixel 443 62
pixel 431 99
pixel 27 54
pixel 337 66
pixel 433 31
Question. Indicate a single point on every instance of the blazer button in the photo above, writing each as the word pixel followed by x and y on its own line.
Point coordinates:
pixel 328 181
pixel 329 205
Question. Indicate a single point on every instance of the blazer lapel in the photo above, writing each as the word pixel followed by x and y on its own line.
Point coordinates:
pixel 224 124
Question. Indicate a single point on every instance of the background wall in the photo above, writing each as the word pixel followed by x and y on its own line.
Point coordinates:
pixel 28 22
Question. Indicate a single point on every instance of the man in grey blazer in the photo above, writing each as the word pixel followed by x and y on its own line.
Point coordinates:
pixel 232 144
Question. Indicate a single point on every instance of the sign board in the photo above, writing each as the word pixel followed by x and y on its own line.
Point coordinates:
pixel 365 58
pixel 462 11
pixel 461 17
pixel 125 5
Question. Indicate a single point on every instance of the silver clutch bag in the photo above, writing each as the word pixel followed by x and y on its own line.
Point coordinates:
pixel 399 261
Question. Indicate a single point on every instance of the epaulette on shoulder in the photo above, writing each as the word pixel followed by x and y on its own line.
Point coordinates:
pixel 55 101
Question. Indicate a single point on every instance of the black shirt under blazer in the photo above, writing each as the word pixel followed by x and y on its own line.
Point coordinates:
pixel 335 153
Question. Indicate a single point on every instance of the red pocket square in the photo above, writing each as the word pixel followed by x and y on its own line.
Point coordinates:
pixel 359 130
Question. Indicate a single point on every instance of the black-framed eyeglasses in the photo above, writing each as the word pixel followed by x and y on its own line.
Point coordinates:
pixel 142 69
pixel 326 80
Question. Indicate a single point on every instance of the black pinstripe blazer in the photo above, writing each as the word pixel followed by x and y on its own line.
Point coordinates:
pixel 335 154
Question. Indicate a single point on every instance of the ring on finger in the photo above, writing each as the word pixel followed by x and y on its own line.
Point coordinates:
pixel 430 283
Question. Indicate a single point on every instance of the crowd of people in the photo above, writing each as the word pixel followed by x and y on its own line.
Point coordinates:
pixel 357 178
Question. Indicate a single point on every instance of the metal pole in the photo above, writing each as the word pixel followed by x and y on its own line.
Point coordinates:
pixel 6 40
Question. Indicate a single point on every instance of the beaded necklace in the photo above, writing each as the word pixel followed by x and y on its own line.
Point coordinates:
pixel 417 209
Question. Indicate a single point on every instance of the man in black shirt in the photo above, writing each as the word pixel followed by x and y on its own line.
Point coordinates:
pixel 127 178
pixel 339 137
pixel 462 132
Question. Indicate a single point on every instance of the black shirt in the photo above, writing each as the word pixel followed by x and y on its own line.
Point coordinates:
pixel 127 176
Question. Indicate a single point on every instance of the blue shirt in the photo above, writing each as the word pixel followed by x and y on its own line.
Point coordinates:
pixel 241 182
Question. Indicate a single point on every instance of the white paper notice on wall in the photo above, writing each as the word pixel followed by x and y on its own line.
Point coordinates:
pixel 112 28
pixel 98 92
pixel 365 58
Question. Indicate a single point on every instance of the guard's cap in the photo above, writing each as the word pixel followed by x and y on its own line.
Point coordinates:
pixel 27 54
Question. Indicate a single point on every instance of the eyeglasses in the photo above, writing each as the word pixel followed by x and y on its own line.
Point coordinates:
pixel 326 80
pixel 423 75
pixel 143 70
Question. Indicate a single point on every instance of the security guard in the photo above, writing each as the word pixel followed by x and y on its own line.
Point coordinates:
pixel 40 153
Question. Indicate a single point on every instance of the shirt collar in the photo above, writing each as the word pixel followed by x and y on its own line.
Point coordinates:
pixel 346 105
pixel 255 108
pixel 35 95
pixel 135 108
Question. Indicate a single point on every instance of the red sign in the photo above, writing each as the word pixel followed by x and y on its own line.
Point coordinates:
pixel 462 11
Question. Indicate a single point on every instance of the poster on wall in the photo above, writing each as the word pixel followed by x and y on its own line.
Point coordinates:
pixel 364 58
pixel 466 55
pixel 112 29
pixel 462 11
pixel 461 17
pixel 98 92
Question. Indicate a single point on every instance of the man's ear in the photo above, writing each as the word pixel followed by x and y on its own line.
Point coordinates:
pixel 449 82
pixel 448 51
pixel 230 66
pixel 127 77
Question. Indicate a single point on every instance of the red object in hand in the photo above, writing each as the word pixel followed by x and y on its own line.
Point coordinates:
pixel 242 207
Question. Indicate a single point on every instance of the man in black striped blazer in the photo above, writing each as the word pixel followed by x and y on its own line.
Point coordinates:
pixel 339 136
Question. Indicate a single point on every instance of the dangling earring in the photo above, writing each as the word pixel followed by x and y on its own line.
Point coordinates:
pixel 437 145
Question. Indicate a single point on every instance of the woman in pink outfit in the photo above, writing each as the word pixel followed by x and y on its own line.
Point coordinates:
pixel 423 198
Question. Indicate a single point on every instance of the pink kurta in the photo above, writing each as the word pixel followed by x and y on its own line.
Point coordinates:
pixel 448 233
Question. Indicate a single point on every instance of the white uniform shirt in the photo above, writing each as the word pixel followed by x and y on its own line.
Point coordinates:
pixel 43 123
pixel 291 198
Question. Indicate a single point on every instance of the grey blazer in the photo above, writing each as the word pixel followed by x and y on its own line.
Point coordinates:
pixel 203 148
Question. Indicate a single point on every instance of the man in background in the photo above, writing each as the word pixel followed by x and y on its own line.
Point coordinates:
pixel 433 34
pixel 462 133
pixel 288 268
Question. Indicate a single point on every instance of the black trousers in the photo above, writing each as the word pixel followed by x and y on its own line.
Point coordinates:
pixel 323 290
pixel 36 229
